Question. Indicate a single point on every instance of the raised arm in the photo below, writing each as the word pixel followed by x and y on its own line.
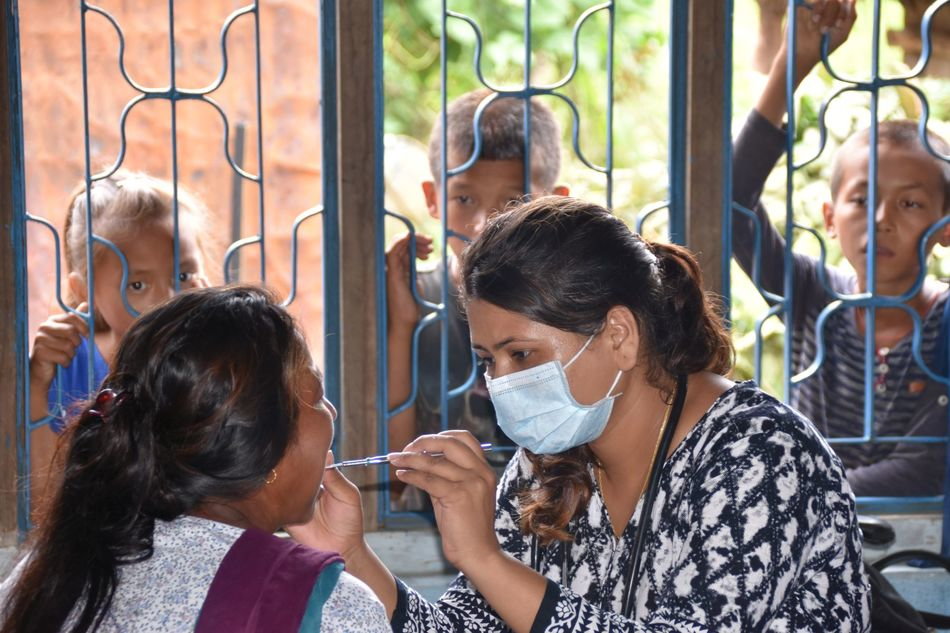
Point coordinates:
pixel 762 140
pixel 834 17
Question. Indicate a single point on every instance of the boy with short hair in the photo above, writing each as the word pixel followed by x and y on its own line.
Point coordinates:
pixel 493 181
pixel 913 193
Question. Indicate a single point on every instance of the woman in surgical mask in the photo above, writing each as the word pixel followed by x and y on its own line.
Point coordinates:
pixel 651 493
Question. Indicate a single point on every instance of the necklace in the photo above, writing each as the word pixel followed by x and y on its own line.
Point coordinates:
pixel 670 422
pixel 599 471
pixel 885 368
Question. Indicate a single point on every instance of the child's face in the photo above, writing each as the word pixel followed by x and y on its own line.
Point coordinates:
pixel 150 255
pixel 910 199
pixel 475 194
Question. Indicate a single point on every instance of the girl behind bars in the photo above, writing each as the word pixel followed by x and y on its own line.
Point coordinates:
pixel 134 212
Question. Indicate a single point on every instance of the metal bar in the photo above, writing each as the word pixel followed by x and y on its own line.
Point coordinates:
pixel 424 322
pixel 441 313
pixel 679 56
pixel 725 253
pixel 609 159
pixel 87 155
pixel 774 310
pixel 227 152
pixel 527 100
pixel 225 29
pixel 522 94
pixel 787 281
pixel 885 505
pixel 294 249
pixel 14 449
pixel 647 212
pixel 173 104
pixel 575 37
pixel 331 217
pixel 237 196
pixel 414 369
pixel 889 439
pixel 870 344
pixel 124 280
pixel 260 141
pixel 757 253
pixel 477 56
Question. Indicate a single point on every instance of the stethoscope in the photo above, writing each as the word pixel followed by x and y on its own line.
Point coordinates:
pixel 653 487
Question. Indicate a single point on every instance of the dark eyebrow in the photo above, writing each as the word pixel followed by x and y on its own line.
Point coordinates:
pixel 911 185
pixel 504 342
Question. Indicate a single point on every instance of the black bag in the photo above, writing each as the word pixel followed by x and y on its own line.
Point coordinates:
pixel 890 613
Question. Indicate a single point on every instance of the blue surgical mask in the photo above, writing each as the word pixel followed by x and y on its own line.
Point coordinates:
pixel 536 409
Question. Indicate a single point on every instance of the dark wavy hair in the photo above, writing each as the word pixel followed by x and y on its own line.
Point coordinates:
pixel 205 407
pixel 565 263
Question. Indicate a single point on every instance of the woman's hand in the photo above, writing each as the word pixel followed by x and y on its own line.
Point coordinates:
pixel 337 523
pixel 337 526
pixel 462 487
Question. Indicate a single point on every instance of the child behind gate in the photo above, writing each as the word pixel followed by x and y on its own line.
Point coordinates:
pixel 135 212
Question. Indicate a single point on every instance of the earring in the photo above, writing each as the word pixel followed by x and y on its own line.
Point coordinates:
pixel 271 477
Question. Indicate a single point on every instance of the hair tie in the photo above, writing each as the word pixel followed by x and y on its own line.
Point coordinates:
pixel 106 400
pixel 654 259
pixel 651 248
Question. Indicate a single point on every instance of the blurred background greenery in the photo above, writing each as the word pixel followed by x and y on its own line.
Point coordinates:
pixel 640 110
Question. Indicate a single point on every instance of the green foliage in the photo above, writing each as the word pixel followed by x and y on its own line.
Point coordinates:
pixel 641 83
pixel 845 116
pixel 412 78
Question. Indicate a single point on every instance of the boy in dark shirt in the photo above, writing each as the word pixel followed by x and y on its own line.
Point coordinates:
pixel 913 193
pixel 494 180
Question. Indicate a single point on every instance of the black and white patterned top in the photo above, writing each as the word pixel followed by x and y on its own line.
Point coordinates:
pixel 753 529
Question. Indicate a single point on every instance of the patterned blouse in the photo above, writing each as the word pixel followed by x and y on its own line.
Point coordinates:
pixel 164 593
pixel 753 529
